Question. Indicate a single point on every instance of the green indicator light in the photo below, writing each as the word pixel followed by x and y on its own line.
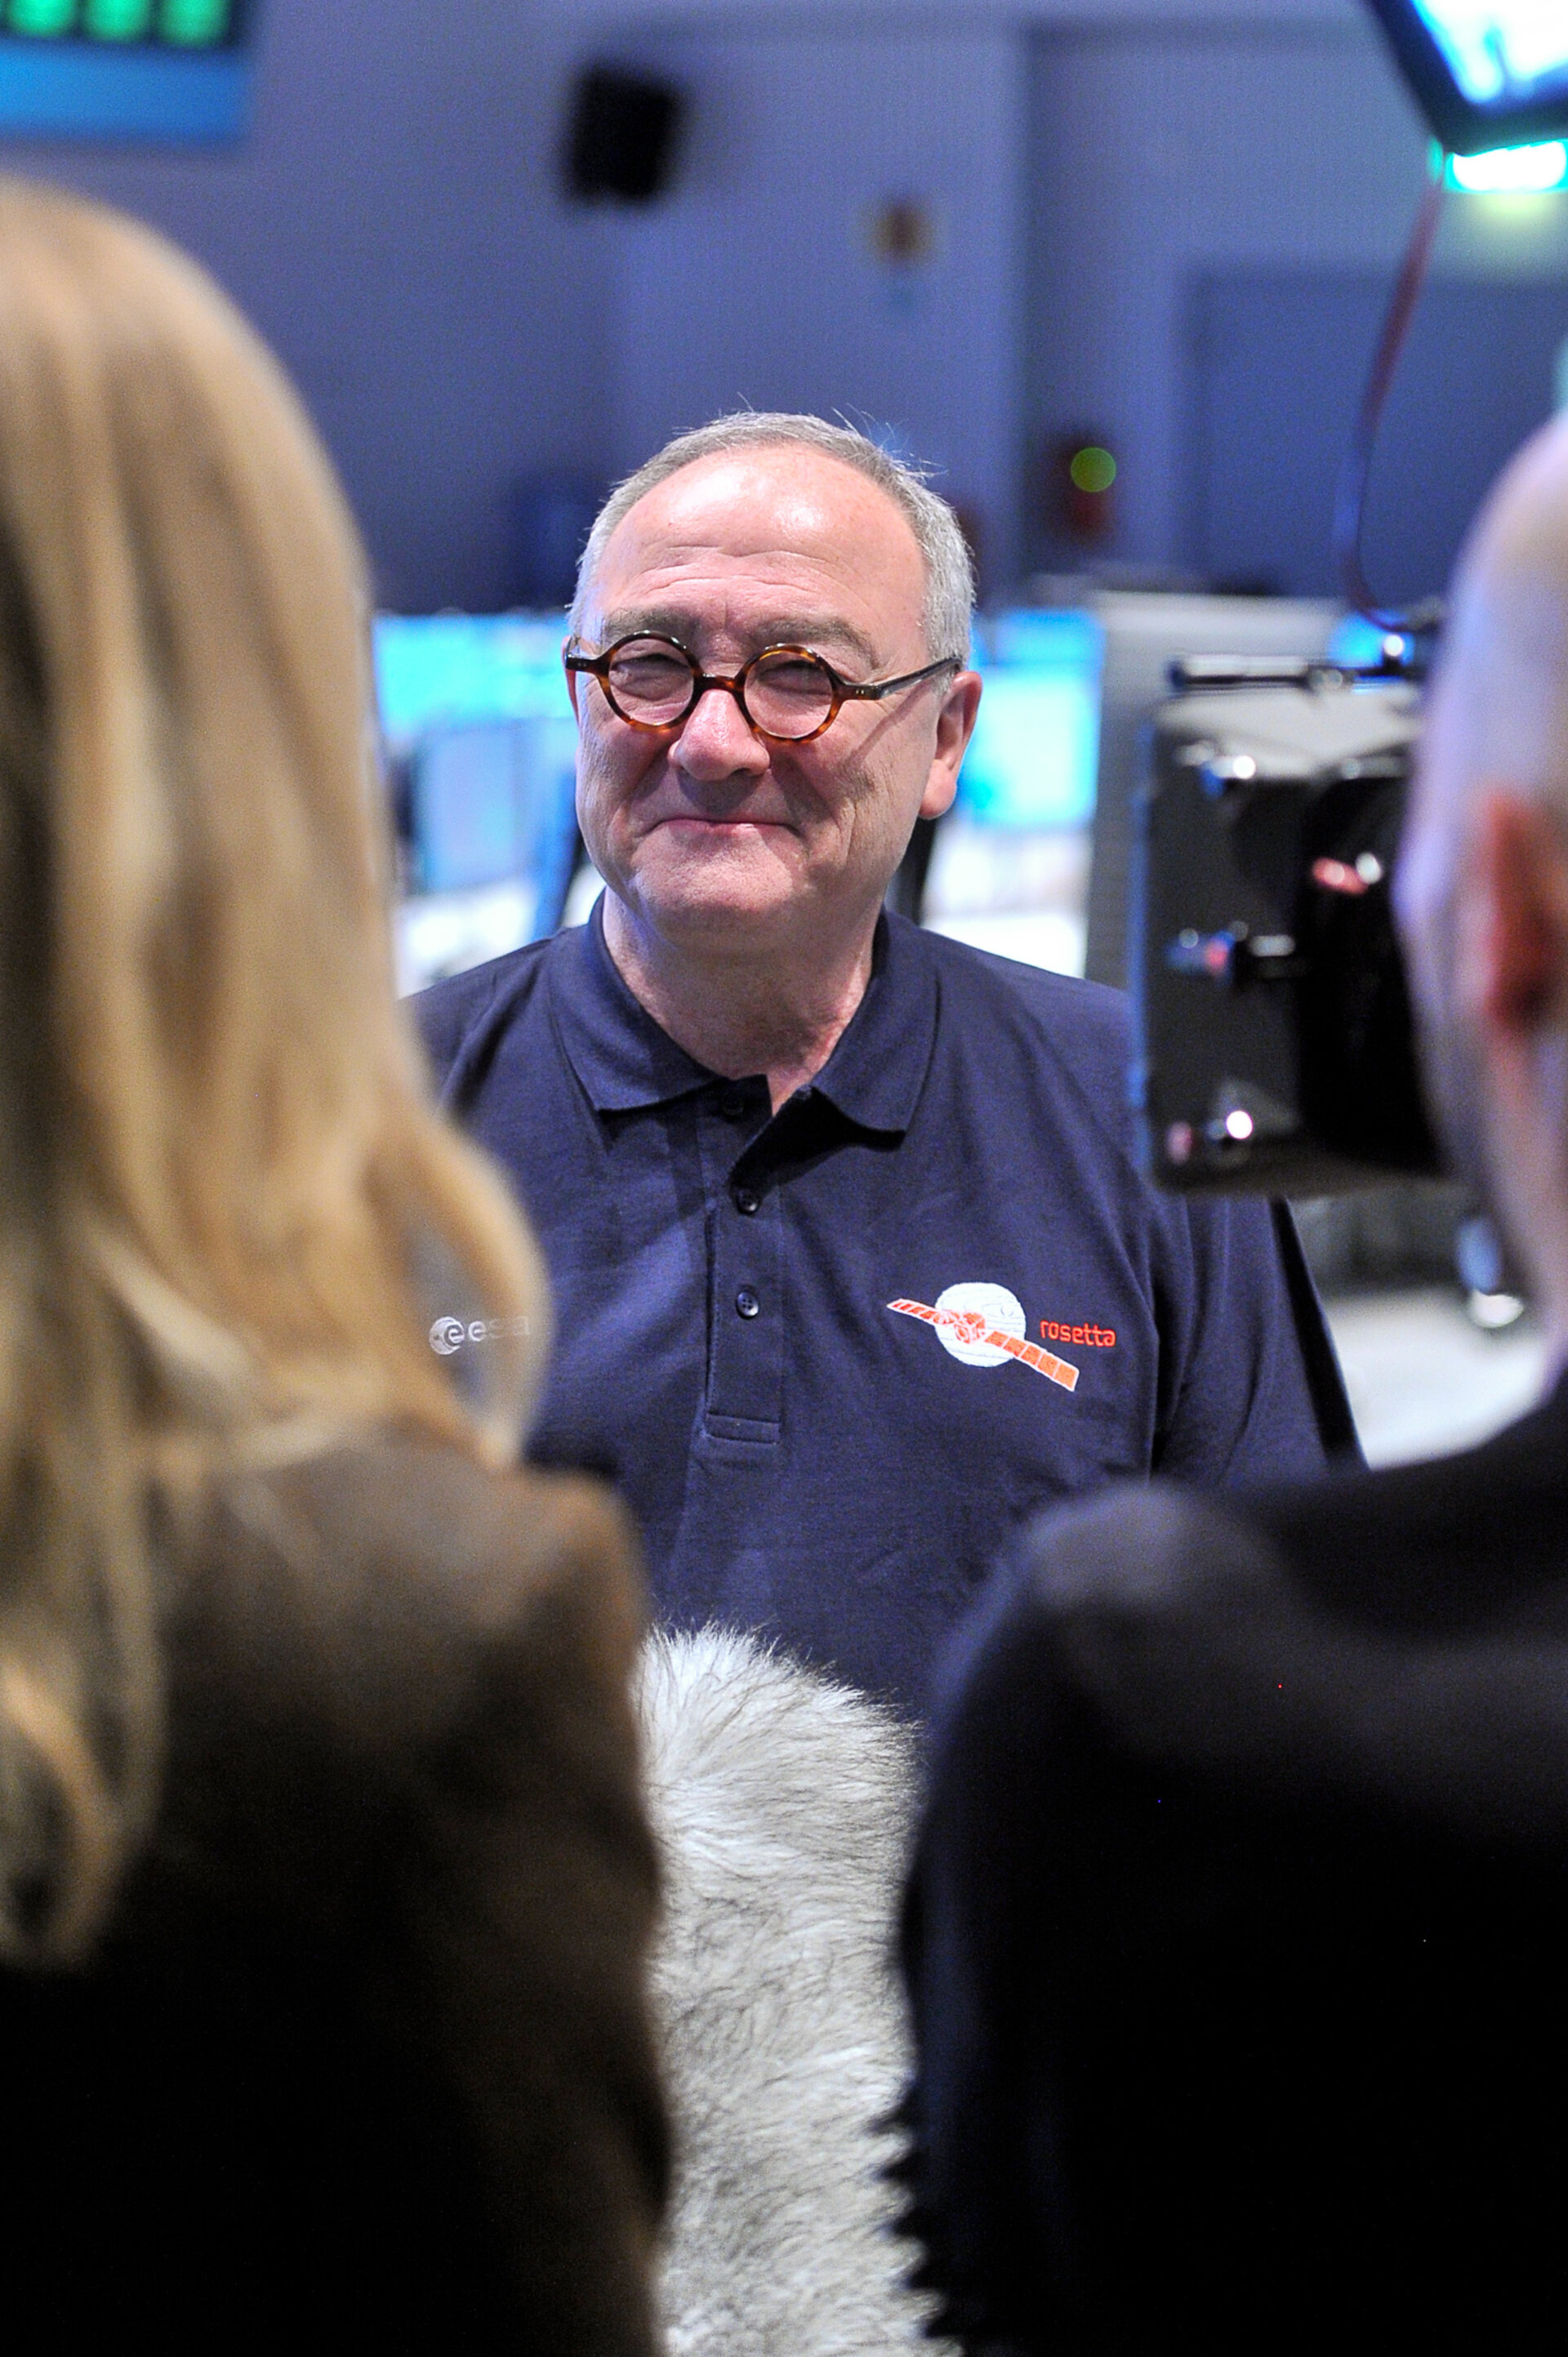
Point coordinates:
pixel 117 20
pixel 1092 469
pixel 195 23
pixel 43 19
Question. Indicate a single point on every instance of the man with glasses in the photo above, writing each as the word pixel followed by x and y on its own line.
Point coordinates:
pixel 852 1265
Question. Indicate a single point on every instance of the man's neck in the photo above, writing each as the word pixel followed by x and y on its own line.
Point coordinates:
pixel 782 1015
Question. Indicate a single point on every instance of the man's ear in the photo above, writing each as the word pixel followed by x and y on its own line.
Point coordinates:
pixel 1519 888
pixel 955 726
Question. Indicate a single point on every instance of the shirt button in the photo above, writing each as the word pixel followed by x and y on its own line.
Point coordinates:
pixel 732 1104
pixel 746 1302
pixel 748 1200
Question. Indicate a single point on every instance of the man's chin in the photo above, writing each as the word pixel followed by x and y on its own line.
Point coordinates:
pixel 719 923
pixel 748 897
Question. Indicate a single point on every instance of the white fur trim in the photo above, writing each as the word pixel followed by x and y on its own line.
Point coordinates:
pixel 782 1805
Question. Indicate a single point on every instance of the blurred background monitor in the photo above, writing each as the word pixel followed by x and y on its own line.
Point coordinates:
pixel 1009 865
pixel 480 749
pixel 1031 760
pixel 1355 640
pixel 126 70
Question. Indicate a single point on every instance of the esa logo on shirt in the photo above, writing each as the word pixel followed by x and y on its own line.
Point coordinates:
pixel 984 1326
pixel 447 1335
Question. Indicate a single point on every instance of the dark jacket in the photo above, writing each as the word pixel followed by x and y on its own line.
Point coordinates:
pixel 362 2061
pixel 1237 1935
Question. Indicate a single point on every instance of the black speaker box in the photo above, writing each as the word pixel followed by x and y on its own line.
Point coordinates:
pixel 622 139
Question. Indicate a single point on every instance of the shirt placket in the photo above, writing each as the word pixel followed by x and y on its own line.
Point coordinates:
pixel 744 1394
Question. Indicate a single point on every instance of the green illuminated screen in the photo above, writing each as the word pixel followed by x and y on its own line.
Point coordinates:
pixel 161 23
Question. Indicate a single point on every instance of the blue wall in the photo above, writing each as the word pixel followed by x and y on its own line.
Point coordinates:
pixel 393 227
pixel 759 282
pixel 390 225
pixel 1162 156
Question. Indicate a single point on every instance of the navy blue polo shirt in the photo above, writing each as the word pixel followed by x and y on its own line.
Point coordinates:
pixel 833 1353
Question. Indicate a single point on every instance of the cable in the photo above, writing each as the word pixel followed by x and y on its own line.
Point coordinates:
pixel 1350 501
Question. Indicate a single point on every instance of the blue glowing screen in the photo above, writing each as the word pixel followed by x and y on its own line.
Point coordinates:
pixel 437 670
pixel 1033 758
pixel 478 731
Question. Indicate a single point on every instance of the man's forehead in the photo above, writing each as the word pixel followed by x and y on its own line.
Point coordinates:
pixel 781 519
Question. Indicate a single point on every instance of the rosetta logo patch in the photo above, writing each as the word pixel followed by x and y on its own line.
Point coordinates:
pixel 969 1313
pixel 984 1326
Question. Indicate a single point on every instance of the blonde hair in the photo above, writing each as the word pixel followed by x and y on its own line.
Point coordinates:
pixel 223 1186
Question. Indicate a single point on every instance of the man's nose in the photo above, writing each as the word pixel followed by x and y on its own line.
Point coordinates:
pixel 716 739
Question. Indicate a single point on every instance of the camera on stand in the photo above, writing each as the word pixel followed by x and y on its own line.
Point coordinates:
pixel 1276 1052
pixel 1274 1049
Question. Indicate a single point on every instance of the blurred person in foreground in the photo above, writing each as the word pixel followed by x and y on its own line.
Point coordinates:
pixel 324 1884
pixel 1238 1934
pixel 853 1262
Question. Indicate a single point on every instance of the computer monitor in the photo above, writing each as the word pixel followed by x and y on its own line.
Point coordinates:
pixel 1486 74
pixel 159 70
pixel 1008 868
pixel 489 802
pixel 441 671
pixel 1031 761
pixel 481 756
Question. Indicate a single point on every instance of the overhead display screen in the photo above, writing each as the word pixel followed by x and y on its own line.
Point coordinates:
pixel 160 69
pixel 171 24
pixel 1508 54
pixel 1488 74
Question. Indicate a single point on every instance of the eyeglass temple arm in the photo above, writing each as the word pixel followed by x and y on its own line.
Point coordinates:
pixel 872 689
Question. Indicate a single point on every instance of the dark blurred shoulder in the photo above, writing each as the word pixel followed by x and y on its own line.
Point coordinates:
pixel 1222 1636
pixel 382 1614
pixel 398 1886
pixel 1112 1601
pixel 1162 1608
pixel 410 1554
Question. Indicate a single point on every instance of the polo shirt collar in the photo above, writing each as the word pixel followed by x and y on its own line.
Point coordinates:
pixel 621 1056
pixel 875 1073
pixel 625 1062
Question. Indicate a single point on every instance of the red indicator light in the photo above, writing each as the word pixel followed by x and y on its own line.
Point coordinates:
pixel 1333 875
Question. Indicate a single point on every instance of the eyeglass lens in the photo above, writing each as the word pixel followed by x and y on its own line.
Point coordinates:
pixel 786 694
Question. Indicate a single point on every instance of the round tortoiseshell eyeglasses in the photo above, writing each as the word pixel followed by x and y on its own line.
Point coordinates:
pixel 787 694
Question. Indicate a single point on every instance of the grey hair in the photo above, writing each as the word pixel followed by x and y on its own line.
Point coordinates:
pixel 949 573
